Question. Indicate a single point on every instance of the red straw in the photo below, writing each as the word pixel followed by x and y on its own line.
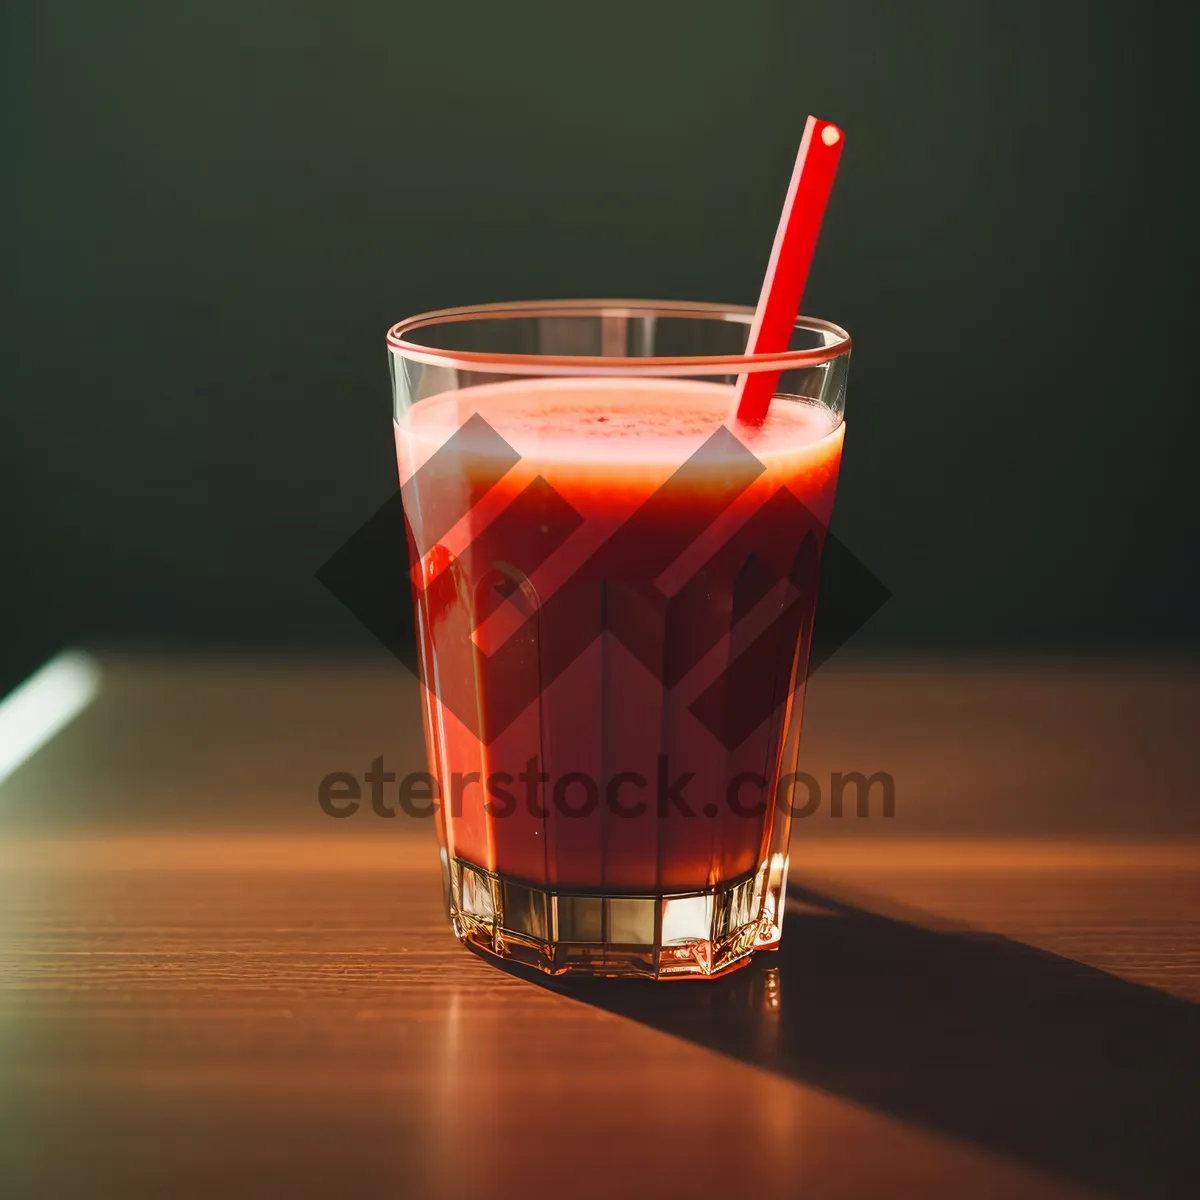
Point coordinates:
pixel 791 256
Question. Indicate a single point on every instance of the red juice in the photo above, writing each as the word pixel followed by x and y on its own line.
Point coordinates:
pixel 566 658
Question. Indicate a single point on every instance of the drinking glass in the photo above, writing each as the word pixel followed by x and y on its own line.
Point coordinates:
pixel 614 583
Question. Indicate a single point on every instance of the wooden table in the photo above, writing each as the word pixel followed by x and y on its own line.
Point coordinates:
pixel 205 991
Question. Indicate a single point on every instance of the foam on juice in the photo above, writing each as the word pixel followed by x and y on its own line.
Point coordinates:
pixel 616 423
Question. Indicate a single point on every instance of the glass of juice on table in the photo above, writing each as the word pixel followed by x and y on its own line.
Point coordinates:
pixel 614 581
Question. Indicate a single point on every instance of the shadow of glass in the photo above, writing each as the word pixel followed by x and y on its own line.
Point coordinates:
pixel 970 1035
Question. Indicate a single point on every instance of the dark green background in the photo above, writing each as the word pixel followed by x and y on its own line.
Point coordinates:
pixel 217 208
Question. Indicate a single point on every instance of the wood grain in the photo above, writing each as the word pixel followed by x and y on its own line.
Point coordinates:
pixel 202 1015
pixel 208 988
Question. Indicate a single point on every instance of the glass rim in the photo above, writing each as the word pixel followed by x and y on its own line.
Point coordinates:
pixel 595 364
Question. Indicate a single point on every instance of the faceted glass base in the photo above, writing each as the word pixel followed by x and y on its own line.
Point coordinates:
pixel 694 935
